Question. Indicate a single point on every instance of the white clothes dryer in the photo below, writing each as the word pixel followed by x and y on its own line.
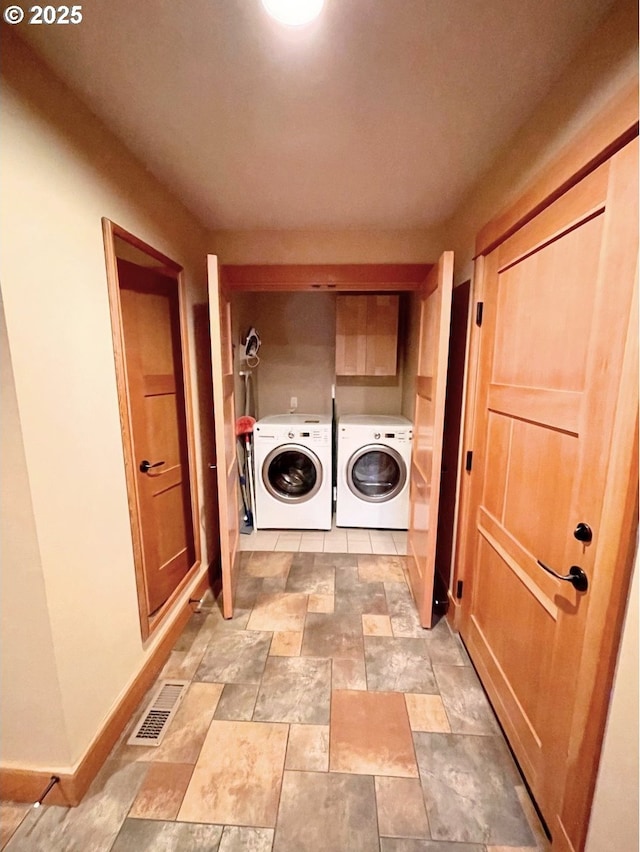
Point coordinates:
pixel 374 460
pixel 293 465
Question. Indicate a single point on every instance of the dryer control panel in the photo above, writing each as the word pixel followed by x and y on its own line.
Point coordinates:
pixel 400 435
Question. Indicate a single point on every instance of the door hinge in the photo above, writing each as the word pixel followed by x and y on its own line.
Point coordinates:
pixel 459 589
pixel 469 462
pixel 479 310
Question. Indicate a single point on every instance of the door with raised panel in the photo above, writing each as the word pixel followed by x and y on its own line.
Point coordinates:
pixel 426 459
pixel 225 421
pixel 558 298
pixel 150 314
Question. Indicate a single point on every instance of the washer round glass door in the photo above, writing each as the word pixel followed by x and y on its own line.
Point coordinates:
pixel 291 473
pixel 376 473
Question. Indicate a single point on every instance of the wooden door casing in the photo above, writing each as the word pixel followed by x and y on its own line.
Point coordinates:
pixel 224 405
pixel 426 460
pixel 554 346
pixel 119 244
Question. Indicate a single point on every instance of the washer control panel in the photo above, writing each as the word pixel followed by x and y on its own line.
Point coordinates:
pixel 307 435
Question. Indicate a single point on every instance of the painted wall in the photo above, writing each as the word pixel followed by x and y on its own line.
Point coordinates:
pixel 408 246
pixel 71 654
pixel 602 66
pixel 614 816
pixel 297 358
pixel 30 659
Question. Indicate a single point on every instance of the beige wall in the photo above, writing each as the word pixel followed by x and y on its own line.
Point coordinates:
pixel 614 817
pixel 30 692
pixel 297 358
pixel 285 361
pixel 71 654
pixel 408 246
pixel 602 66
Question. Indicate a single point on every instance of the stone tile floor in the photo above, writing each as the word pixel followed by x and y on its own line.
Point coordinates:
pixel 321 718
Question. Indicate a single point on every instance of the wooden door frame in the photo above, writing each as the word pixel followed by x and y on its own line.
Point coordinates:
pixel 168 267
pixel 608 133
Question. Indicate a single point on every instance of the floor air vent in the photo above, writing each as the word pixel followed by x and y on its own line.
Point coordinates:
pixel 155 720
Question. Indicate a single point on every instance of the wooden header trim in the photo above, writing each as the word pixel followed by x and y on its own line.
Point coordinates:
pixel 613 128
pixel 312 277
pixel 171 267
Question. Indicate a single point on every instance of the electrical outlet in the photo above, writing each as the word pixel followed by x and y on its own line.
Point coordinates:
pixel 294 402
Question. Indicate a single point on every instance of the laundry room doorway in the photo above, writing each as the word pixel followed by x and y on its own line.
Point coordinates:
pixel 421 287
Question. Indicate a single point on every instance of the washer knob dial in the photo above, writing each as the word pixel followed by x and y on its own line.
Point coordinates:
pixel 292 435
pixel 377 436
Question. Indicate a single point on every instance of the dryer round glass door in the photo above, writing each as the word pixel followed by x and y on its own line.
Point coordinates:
pixel 376 473
pixel 292 473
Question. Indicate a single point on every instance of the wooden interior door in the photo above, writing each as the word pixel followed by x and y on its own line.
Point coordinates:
pixel 152 342
pixel 451 440
pixel 225 421
pixel 558 333
pixel 426 460
pixel 206 411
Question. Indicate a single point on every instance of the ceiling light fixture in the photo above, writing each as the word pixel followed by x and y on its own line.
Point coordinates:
pixel 294 13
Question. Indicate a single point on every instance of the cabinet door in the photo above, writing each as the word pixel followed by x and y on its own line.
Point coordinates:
pixel 366 335
pixel 351 335
pixel 382 335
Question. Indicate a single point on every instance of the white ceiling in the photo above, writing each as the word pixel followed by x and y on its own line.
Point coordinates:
pixel 381 115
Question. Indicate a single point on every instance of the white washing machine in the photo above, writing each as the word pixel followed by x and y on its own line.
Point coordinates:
pixel 374 460
pixel 292 462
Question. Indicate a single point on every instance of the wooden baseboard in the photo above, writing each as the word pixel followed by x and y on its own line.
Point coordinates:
pixel 26 785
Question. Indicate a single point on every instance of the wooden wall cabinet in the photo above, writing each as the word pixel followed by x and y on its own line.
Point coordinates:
pixel 367 335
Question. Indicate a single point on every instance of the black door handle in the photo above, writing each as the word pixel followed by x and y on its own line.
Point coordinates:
pixel 576 576
pixel 146 465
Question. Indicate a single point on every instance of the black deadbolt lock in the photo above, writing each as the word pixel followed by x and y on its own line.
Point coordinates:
pixel 583 533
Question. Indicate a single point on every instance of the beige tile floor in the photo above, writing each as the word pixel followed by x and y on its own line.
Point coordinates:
pixel 321 718
pixel 336 540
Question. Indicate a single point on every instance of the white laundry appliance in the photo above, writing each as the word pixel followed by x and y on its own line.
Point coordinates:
pixel 293 465
pixel 374 460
